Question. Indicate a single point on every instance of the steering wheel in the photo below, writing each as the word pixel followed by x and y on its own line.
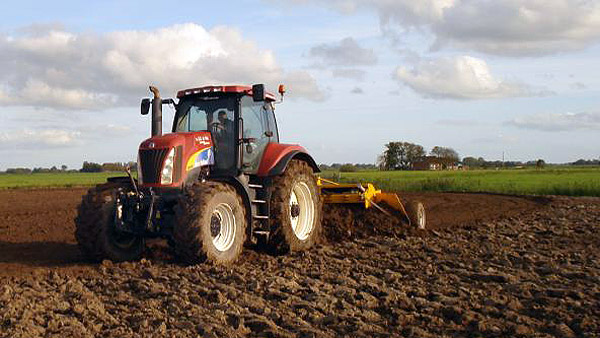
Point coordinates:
pixel 216 127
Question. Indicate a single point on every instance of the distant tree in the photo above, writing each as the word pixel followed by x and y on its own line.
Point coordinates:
pixel 348 168
pixel 540 164
pixel 18 171
pixel 63 167
pixel 586 162
pixel 324 167
pixel 401 155
pixel 40 170
pixel 448 155
pixel 473 162
pixel 91 167
pixel 365 166
pixel 116 166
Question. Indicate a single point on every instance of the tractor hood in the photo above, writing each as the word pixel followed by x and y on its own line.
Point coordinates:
pixel 166 160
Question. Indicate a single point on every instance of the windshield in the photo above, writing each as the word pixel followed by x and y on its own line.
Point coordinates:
pixel 200 113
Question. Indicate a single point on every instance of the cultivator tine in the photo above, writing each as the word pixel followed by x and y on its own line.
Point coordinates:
pixel 381 209
pixel 393 201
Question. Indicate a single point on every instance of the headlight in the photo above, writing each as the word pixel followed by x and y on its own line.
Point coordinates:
pixel 166 175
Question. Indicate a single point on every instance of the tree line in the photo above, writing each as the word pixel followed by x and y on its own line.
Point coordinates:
pixel 348 167
pixel 87 167
pixel 403 155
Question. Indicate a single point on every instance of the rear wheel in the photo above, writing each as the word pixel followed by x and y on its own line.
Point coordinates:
pixel 96 232
pixel 210 224
pixel 295 209
pixel 416 214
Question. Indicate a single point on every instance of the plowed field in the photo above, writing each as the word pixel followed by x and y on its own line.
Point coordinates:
pixel 490 265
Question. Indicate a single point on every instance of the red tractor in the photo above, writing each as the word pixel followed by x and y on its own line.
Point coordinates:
pixel 220 180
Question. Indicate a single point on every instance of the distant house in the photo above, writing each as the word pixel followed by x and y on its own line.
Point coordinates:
pixel 428 163
pixel 436 163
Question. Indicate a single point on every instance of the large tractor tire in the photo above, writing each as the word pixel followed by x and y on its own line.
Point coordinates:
pixel 96 232
pixel 416 213
pixel 210 224
pixel 296 209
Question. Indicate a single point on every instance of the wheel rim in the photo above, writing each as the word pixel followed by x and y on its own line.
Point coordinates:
pixel 222 227
pixel 302 210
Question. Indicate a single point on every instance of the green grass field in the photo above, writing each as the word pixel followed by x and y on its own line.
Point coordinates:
pixel 572 181
pixel 54 180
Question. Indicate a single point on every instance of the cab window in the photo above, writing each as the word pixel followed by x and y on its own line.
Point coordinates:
pixel 256 125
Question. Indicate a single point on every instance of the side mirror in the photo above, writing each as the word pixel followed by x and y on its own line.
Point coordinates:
pixel 145 106
pixel 258 92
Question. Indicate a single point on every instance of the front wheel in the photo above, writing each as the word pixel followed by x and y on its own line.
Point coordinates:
pixel 96 229
pixel 295 209
pixel 210 224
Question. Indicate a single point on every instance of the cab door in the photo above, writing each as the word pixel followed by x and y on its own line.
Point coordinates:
pixel 256 133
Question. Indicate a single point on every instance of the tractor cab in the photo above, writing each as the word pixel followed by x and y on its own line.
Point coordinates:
pixel 240 125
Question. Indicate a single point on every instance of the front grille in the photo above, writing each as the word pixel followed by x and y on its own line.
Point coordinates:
pixel 151 162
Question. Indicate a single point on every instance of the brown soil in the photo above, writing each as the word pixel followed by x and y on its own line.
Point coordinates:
pixel 37 231
pixel 493 265
pixel 36 226
pixel 342 222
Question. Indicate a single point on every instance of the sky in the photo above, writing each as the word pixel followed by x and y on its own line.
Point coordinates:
pixel 487 78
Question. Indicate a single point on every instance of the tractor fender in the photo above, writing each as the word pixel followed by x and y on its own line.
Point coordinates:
pixel 277 156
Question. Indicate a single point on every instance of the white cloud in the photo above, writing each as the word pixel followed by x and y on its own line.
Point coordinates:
pixel 461 77
pixel 40 94
pixel 511 27
pixel 302 84
pixel 357 90
pixel 558 121
pixel 526 27
pixel 349 73
pixel 578 86
pixel 35 139
pixel 59 69
pixel 347 53
pixel 55 136
pixel 102 130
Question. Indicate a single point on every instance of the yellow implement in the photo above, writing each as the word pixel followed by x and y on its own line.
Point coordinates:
pixel 367 194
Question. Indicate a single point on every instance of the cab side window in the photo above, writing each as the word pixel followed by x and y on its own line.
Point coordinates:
pixel 254 119
pixel 256 123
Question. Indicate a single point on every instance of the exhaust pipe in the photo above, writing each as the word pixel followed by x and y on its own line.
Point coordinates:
pixel 156 112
